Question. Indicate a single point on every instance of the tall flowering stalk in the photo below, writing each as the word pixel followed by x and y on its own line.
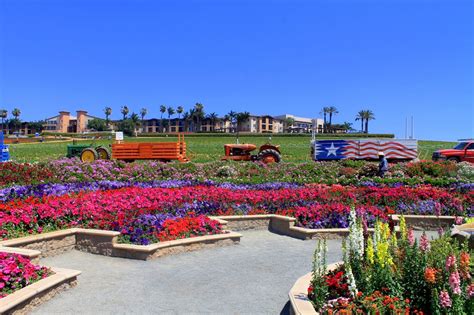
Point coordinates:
pixel 318 290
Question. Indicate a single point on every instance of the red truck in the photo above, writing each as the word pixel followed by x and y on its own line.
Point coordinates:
pixel 462 152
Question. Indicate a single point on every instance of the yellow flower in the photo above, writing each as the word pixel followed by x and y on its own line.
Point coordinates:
pixel 403 228
pixel 370 251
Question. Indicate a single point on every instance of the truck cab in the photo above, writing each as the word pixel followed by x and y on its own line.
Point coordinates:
pixel 462 152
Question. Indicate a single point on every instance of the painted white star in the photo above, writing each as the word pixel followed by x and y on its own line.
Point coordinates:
pixel 332 150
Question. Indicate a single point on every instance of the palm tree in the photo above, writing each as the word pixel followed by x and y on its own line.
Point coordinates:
pixel 361 116
pixel 3 116
pixel 135 119
pixel 143 113
pixel 240 118
pixel 171 112
pixel 332 111
pixel 347 126
pixel 107 112
pixel 162 111
pixel 124 110
pixel 179 111
pixel 186 119
pixel 231 116
pixel 198 114
pixel 16 113
pixel 213 118
pixel 369 115
pixel 325 111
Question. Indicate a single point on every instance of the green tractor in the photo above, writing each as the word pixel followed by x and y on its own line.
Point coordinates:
pixel 88 152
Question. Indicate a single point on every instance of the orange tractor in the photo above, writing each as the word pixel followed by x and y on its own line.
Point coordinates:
pixel 267 153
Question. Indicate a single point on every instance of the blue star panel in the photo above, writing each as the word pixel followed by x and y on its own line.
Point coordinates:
pixel 330 149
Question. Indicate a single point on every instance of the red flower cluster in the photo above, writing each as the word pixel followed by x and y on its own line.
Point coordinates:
pixel 188 227
pixel 16 272
pixel 337 284
pixel 23 173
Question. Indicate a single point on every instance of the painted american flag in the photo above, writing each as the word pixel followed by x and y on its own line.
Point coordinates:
pixel 365 149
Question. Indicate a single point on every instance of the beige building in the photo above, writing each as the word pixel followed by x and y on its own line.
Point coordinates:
pixel 301 124
pixel 67 123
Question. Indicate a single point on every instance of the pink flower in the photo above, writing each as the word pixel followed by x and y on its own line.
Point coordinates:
pixel 458 220
pixel 450 262
pixel 424 243
pixel 455 282
pixel 411 237
pixel 470 290
pixel 444 299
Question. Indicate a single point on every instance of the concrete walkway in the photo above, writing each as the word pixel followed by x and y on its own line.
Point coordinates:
pixel 251 278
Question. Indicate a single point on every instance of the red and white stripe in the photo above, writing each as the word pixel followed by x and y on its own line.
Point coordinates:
pixel 370 149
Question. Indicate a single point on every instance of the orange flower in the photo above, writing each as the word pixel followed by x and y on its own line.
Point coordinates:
pixel 430 275
pixel 464 260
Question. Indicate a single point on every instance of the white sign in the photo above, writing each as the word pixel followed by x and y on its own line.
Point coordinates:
pixel 119 135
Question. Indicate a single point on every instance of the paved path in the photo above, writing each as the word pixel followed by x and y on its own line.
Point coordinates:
pixel 251 278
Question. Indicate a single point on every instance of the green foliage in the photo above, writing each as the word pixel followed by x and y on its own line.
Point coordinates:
pixel 127 126
pixel 97 124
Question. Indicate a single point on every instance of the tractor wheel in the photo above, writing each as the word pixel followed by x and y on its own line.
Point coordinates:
pixel 269 156
pixel 89 155
pixel 104 153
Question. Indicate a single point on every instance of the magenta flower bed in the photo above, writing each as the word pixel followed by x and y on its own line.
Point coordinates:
pixel 17 272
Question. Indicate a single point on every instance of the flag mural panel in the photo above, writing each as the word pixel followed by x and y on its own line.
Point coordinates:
pixel 365 149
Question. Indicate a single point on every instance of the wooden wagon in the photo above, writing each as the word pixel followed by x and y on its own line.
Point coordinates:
pixel 162 151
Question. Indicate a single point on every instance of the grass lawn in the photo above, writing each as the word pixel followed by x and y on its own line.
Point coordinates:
pixel 202 149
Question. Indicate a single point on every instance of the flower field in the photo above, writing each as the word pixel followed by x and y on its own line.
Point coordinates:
pixel 148 212
pixel 346 172
pixel 151 202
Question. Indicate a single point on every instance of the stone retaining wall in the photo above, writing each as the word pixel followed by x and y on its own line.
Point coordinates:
pixel 25 300
pixel 426 222
pixel 105 243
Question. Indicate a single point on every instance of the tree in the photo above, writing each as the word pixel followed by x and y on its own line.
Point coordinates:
pixel 126 126
pixel 240 118
pixel 325 111
pixel 186 119
pixel 143 113
pixel 331 111
pixel 232 116
pixel 179 111
pixel 97 124
pixel 198 115
pixel 289 122
pixel 369 115
pixel 347 125
pixel 162 111
pixel 3 116
pixel 361 116
pixel 135 119
pixel 107 112
pixel 36 126
pixel 124 112
pixel 16 113
pixel 171 112
pixel 212 118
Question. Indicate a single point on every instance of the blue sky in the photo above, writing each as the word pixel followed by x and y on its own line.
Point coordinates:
pixel 398 58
